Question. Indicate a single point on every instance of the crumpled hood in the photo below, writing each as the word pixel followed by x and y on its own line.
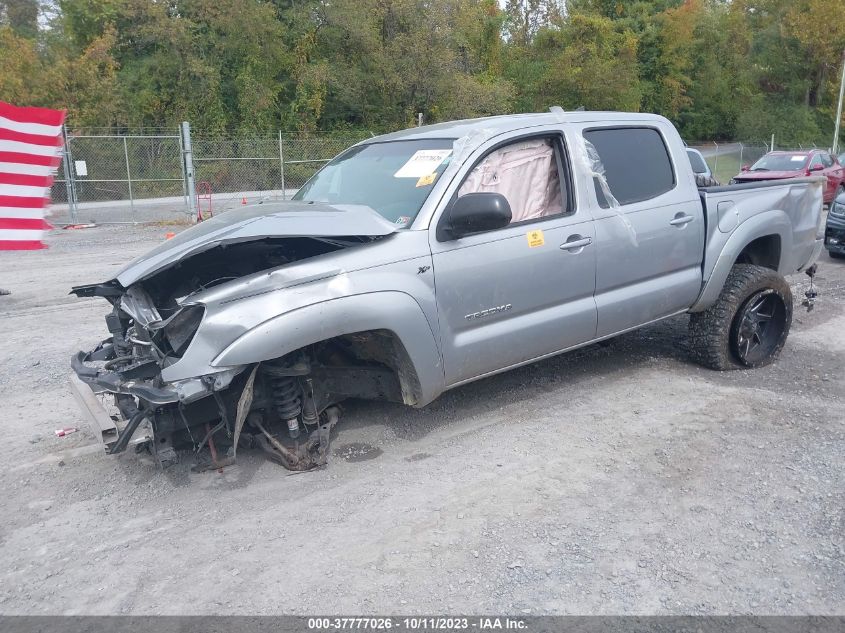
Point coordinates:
pixel 276 219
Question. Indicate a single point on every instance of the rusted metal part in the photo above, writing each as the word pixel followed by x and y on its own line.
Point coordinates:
pixel 213 465
pixel 212 448
pixel 244 403
pixel 308 456
pixel 279 452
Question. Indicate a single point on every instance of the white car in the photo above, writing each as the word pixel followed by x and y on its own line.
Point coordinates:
pixel 699 166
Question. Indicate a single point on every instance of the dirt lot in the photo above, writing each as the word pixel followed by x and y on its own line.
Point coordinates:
pixel 617 479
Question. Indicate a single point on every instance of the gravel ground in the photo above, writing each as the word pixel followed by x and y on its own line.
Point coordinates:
pixel 619 479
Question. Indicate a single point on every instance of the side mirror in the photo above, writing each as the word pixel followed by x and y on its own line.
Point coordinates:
pixel 745 168
pixel 473 213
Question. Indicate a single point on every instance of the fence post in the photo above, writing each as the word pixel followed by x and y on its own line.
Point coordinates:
pixel 716 158
pixel 128 175
pixel 188 160
pixel 184 178
pixel 741 147
pixel 70 183
pixel 282 166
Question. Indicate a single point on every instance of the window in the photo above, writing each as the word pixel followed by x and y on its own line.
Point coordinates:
pixel 636 163
pixel 696 162
pixel 817 160
pixel 527 173
pixel 827 161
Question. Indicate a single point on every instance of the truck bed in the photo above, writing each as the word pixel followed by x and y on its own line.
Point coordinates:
pixel 786 214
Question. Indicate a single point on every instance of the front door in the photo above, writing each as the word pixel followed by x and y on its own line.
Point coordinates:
pixel 514 294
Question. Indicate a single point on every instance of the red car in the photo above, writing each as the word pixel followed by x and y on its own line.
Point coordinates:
pixel 780 165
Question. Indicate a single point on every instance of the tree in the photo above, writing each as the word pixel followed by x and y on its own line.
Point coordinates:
pixel 24 78
pixel 21 16
pixel 582 60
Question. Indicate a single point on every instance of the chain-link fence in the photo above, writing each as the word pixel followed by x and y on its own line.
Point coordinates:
pixel 235 170
pixel 149 177
pixel 144 178
pixel 107 177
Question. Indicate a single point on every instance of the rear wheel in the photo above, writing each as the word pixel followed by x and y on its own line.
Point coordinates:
pixel 748 325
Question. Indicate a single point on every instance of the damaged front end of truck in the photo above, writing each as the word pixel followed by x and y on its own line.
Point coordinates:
pixel 156 382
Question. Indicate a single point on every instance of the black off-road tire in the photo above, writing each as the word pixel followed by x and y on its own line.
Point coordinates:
pixel 715 333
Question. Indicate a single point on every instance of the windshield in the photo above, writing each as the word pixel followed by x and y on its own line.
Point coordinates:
pixel 780 162
pixel 393 178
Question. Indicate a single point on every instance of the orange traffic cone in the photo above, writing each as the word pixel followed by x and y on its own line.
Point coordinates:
pixel 243 200
pixel 169 236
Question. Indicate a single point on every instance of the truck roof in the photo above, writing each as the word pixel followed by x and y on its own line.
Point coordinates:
pixel 508 122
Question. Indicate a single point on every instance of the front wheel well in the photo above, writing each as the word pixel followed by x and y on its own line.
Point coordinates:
pixel 372 347
pixel 764 251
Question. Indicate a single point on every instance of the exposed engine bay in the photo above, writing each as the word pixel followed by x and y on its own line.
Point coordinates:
pixel 286 407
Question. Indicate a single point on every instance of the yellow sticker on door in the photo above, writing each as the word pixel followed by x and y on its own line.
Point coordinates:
pixel 535 238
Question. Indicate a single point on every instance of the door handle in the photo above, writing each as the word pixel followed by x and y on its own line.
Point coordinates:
pixel 681 220
pixel 576 244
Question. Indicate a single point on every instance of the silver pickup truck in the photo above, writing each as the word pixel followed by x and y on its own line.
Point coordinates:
pixel 421 260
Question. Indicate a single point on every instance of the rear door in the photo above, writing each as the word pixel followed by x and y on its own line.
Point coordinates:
pixel 513 294
pixel 649 230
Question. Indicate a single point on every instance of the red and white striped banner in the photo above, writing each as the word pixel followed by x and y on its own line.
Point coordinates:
pixel 30 153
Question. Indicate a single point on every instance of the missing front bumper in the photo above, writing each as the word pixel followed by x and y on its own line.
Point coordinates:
pixel 96 413
pixel 133 381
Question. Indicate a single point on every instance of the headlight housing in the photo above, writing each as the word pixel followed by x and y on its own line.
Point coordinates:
pixel 180 328
pixel 838 208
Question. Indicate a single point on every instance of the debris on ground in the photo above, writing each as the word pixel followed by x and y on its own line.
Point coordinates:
pixel 73 227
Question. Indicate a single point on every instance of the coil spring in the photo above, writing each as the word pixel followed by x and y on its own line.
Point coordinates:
pixel 286 397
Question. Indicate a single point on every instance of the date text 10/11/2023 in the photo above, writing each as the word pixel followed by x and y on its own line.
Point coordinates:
pixel 483 623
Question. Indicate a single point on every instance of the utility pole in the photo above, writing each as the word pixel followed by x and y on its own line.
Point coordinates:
pixel 188 161
pixel 835 147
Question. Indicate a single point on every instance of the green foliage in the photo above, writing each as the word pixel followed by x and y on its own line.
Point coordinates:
pixel 791 124
pixel 561 66
pixel 719 69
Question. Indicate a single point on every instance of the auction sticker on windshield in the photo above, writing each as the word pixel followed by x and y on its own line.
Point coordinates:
pixel 425 181
pixel 422 163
